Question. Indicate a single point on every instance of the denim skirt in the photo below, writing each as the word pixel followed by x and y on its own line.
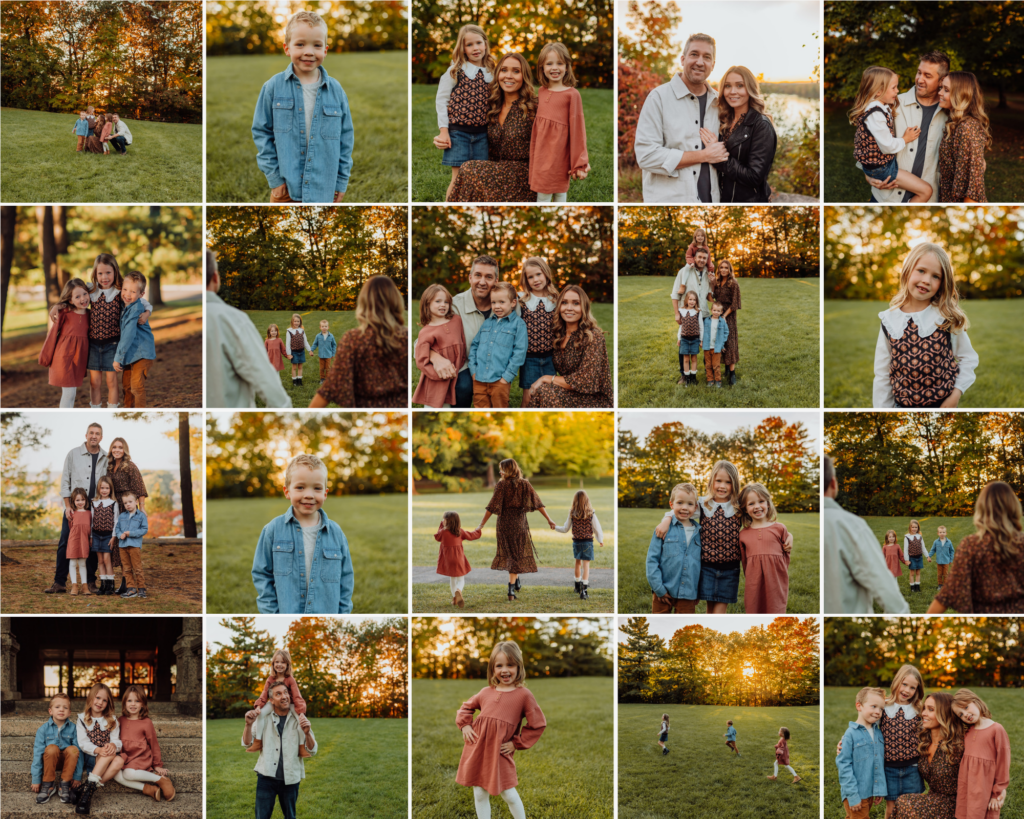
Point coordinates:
pixel 902 780
pixel 299 356
pixel 689 346
pixel 465 147
pixel 883 172
pixel 101 356
pixel 536 365
pixel 583 549
pixel 916 564
pixel 718 585
pixel 101 543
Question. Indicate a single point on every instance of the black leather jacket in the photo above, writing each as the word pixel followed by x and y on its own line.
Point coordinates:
pixel 744 176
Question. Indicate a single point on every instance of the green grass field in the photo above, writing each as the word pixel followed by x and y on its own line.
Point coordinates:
pixel 567 774
pixel 379 552
pixel 649 350
pixel 376 86
pixel 839 711
pixel 603 313
pixel 1004 182
pixel 340 323
pixel 851 332
pixel 702 774
pixel 638 528
pixel 360 769
pixel 164 162
pixel 430 178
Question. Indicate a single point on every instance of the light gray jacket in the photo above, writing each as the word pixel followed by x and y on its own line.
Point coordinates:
pixel 274 744
pixel 78 470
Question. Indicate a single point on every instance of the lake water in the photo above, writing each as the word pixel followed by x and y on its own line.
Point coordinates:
pixel 791 111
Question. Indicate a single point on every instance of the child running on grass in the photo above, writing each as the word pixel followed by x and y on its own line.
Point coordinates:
pixel 585 526
pixel 782 756
pixel 861 757
pixel 730 738
pixel 443 334
pixel 490 740
pixel 280 672
pixel 298 344
pixel 943 552
pixel 663 734
pixel 276 350
pixel 913 553
pixel 80 538
pixel 893 554
pixel 691 335
pixel 537 300
pixel 765 545
pixel 985 769
pixel 673 559
pixel 81 130
pixel 451 559
pixel 558 147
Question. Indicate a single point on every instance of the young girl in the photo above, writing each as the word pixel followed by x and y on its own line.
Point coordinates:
pixel 663 734
pixel 104 517
pixel 893 554
pixel 108 127
pixel 585 526
pixel 782 756
pixel 765 545
pixel 280 671
pixel 537 300
pixel 875 143
pixel 99 741
pixel 141 750
pixel 462 101
pixel 700 242
pixel 512 500
pixel 913 554
pixel 442 333
pixel 924 357
pixel 66 349
pixel 691 336
pixel 490 740
pixel 985 768
pixel 558 147
pixel 298 344
pixel 451 560
pixel 276 351
pixel 80 539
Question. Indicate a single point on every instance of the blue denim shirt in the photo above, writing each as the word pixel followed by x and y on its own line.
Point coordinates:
pixel 673 564
pixel 313 171
pixel 326 346
pixel 136 524
pixel 279 569
pixel 64 737
pixel 82 127
pixel 498 349
pixel 861 764
pixel 942 551
pixel 136 342
pixel 730 733
pixel 721 334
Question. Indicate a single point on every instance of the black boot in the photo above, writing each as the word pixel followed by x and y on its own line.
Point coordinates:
pixel 85 800
pixel 519 583
pixel 511 592
pixel 577 586
pixel 732 378
pixel 123 589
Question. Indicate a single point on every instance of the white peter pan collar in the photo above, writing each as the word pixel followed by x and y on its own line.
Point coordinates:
pixel 908 710
pixel 895 321
pixel 103 502
pixel 471 70
pixel 727 507
pixel 531 302
pixel 688 311
pixel 108 295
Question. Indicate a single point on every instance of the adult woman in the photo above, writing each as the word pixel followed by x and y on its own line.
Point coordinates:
pixel 580 355
pixel 126 477
pixel 942 749
pixel 749 137
pixel 726 291
pixel 369 370
pixel 505 177
pixel 962 150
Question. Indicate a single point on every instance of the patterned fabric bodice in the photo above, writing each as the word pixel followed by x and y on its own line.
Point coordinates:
pixel 98 735
pixel 719 536
pixel 865 149
pixel 915 548
pixel 582 529
pixel 901 737
pixel 691 325
pixel 105 319
pixel 922 371
pixel 469 101
pixel 298 340
pixel 103 518
pixel 539 333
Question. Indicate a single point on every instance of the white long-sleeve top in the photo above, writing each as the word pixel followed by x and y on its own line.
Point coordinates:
pixel 875 123
pixel 567 526
pixel 83 737
pixel 927 321
pixel 305 339
pixel 689 311
pixel 447 85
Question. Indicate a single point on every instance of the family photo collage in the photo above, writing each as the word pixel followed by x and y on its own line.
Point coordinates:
pixel 351 470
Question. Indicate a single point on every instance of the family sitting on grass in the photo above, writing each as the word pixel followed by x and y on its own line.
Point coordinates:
pixel 97 133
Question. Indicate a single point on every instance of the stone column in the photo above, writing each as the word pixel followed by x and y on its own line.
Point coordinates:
pixel 9 694
pixel 188 691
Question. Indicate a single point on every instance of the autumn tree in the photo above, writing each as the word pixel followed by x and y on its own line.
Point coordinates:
pixel 24 492
pixel 236 671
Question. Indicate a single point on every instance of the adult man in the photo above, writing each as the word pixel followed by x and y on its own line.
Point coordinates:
pixel 121 137
pixel 696 278
pixel 675 162
pixel 919 108
pixel 237 367
pixel 83 466
pixel 855 572
pixel 280 769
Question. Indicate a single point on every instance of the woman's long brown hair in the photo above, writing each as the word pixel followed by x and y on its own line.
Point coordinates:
pixel 527 101
pixel 380 307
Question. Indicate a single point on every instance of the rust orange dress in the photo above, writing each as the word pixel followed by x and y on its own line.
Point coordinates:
pixel 448 339
pixel 984 771
pixel 558 145
pixel 276 352
pixel 893 555
pixel 483 765
pixel 71 355
pixel 765 569
pixel 451 560
pixel 80 538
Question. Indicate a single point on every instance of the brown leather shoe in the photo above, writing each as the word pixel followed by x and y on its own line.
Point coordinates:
pixel 92 589
pixel 55 589
pixel 680 381
pixel 166 788
pixel 459 601
pixel 151 790
pixel 86 589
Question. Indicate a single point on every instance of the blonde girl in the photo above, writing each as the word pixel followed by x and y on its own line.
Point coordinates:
pixel 491 737
pixel 80 538
pixel 451 558
pixel 893 554
pixel 276 349
pixel 105 512
pixel 985 769
pixel 280 672
pixel 443 334
pixel 66 349
pixel 967 135
pixel 299 345
pixel 875 143
pixel 558 146
pixel 913 553
pixel 663 734
pixel 99 738
pixel 765 545
pixel 923 357
pixel 537 299
pixel 585 527
pixel 700 242
pixel 691 336
pixel 141 749
pixel 462 101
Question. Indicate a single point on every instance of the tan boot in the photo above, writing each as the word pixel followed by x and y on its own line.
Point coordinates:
pixel 74 589
pixel 85 589
pixel 459 601
pixel 166 788
pixel 151 790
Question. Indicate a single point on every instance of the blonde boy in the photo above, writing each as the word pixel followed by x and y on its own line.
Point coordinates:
pixel 325 346
pixel 136 349
pixel 861 762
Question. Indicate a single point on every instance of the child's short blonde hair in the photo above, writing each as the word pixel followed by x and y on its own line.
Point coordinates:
pixel 964 697
pixel 866 692
pixel 683 489
pixel 138 278
pixel 513 655
pixel 506 288
pixel 310 18
pixel 306 460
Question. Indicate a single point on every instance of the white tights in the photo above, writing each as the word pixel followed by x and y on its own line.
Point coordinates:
pixel 134 778
pixel 80 563
pixel 483 803
pixel 551 197
pixel 67 397
pixel 787 767
pixel 457 583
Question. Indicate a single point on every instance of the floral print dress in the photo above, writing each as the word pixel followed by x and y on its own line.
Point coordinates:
pixel 941 773
pixel 513 498
pixel 962 163
pixel 727 293
pixel 505 177
pixel 583 363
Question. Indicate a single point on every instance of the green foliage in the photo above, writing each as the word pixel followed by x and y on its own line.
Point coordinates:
pixel 23 496
pixel 646 39
pixel 376 85
pixel 640 652
pixel 237 670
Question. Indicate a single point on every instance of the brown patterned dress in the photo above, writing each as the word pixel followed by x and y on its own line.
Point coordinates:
pixel 901 738
pixel 981 583
pixel 583 364
pixel 941 773
pixel 962 163
pixel 922 371
pixel 540 334
pixel 364 376
pixel 513 498
pixel 726 291
pixel 126 478
pixel 505 177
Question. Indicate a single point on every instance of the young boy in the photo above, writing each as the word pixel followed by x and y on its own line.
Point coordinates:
pixel 81 128
pixel 730 737
pixel 302 564
pixel 90 115
pixel 498 350
pixel 861 762
pixel 302 126
pixel 716 333
pixel 673 564
pixel 56 747
pixel 325 346
pixel 942 550
pixel 131 525
pixel 136 350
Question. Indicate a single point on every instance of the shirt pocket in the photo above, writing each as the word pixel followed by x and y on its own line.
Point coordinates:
pixel 284 111
pixel 284 554
pixel 330 571
pixel 330 128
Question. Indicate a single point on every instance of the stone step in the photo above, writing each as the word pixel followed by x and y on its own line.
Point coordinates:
pixel 17 776
pixel 33 707
pixel 106 805
pixel 20 726
pixel 172 749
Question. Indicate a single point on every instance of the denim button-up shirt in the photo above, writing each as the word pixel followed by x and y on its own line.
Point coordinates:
pixel 498 349
pixel 136 524
pixel 136 342
pixel 673 564
pixel 315 168
pixel 279 569
pixel 861 764
pixel 49 734
pixel 325 345
pixel 721 333
pixel 82 127
pixel 942 551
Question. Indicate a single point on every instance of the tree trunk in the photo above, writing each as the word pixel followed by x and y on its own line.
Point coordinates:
pixel 490 474
pixel 48 253
pixel 8 222
pixel 60 239
pixel 188 512
pixel 155 296
pixel 1003 105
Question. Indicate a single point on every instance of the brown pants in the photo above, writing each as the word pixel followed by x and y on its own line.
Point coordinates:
pixel 81 146
pixel 490 395
pixel 862 811
pixel 131 567
pixel 133 379
pixel 54 758
pixel 284 199
pixel 942 573
pixel 673 606
pixel 325 368
pixel 713 366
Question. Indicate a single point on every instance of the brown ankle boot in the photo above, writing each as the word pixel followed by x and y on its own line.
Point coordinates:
pixel 85 589
pixel 74 589
pixel 166 788
pixel 151 790
pixel 303 751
